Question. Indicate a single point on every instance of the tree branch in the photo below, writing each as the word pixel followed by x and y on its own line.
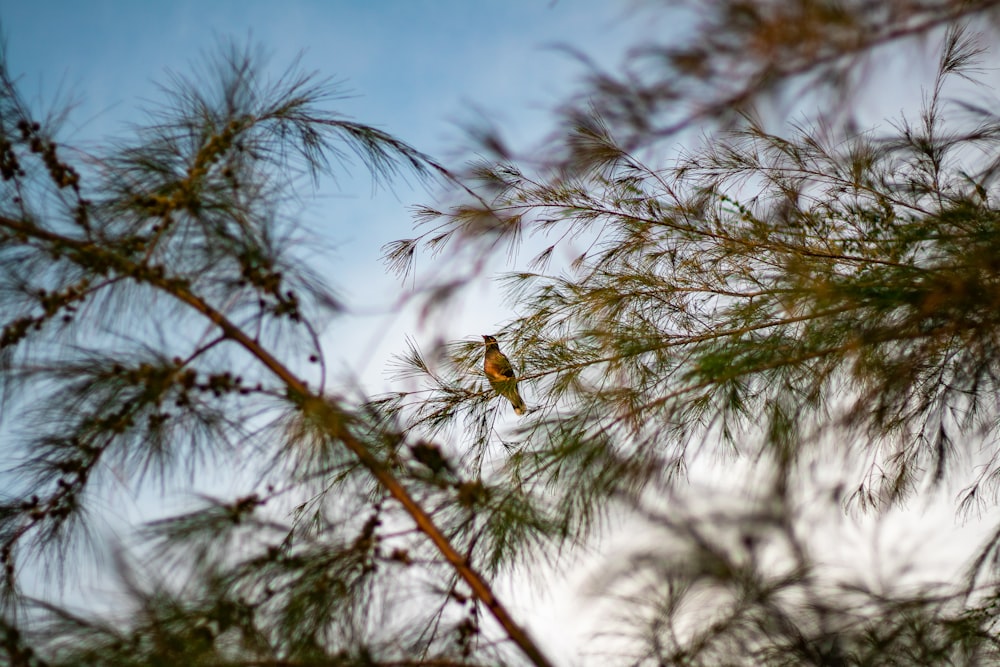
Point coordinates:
pixel 333 421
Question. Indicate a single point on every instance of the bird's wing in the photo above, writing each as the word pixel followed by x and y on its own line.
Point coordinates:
pixel 498 367
pixel 505 369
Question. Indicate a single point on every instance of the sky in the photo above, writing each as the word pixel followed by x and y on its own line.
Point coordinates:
pixel 419 69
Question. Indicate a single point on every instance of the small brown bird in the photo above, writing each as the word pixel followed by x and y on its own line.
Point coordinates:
pixel 501 375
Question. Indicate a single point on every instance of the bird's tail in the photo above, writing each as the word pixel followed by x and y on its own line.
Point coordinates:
pixel 508 389
pixel 519 407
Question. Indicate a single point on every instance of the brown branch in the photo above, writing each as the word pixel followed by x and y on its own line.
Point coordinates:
pixel 336 426
pixel 319 408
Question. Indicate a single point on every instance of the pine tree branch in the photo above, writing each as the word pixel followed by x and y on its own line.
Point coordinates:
pixel 334 421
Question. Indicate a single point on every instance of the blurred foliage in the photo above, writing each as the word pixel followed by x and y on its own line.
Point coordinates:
pixel 769 300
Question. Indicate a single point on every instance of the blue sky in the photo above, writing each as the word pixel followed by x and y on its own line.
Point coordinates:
pixel 419 69
pixel 411 63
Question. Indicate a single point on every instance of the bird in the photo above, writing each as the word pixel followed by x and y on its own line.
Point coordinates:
pixel 501 374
